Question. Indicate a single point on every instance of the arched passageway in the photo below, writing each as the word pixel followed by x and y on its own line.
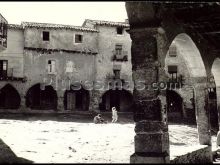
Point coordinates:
pixel 121 99
pixel 9 98
pixel 184 64
pixel 41 99
pixel 76 99
pixel 177 111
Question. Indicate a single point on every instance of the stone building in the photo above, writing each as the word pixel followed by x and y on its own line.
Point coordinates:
pixel 55 67
pixel 180 98
pixel 113 63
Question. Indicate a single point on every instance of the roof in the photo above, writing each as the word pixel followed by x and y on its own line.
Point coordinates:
pixel 3 18
pixel 15 26
pixel 57 26
pixel 107 23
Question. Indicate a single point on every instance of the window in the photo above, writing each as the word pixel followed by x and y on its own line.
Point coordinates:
pixel 119 30
pixel 51 66
pixel 118 49
pixel 78 38
pixel 116 70
pixel 117 73
pixel 173 51
pixel 3 68
pixel 69 67
pixel 46 36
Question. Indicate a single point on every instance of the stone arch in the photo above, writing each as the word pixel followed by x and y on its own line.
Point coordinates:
pixel 42 99
pixel 121 99
pixel 196 81
pixel 191 55
pixel 183 106
pixel 9 97
pixel 77 98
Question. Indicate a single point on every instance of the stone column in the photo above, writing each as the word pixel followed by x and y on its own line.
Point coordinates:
pixel 60 100
pixel 95 98
pixel 23 103
pixel 202 113
pixel 152 139
pixel 218 109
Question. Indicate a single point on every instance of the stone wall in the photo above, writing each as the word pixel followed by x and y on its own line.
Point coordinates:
pixel 60 39
pixel 14 52
pixel 107 38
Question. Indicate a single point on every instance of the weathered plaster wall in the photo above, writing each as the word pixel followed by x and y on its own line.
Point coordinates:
pixel 36 70
pixel 107 39
pixel 60 39
pixel 14 52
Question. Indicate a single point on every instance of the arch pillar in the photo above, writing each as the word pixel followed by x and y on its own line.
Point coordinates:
pixel 95 100
pixel 218 109
pixel 152 138
pixel 23 102
pixel 202 113
pixel 60 100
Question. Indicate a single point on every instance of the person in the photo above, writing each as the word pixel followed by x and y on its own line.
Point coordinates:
pixel 114 115
pixel 98 119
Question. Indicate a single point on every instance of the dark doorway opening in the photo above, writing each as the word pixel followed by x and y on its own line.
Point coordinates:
pixel 41 99
pixel 121 99
pixel 174 107
pixel 213 110
pixel 9 98
pixel 76 100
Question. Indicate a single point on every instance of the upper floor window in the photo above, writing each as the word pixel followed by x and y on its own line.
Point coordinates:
pixel 118 49
pixel 173 51
pixel 117 74
pixel 3 68
pixel 117 70
pixel 69 66
pixel 51 66
pixel 119 30
pixel 78 38
pixel 46 36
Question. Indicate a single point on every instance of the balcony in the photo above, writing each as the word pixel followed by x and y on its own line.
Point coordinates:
pixel 120 56
pixel 8 76
pixel 175 83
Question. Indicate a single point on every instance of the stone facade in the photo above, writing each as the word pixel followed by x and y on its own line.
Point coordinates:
pixel 44 56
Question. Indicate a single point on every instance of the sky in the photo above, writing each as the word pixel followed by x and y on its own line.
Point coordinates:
pixel 71 13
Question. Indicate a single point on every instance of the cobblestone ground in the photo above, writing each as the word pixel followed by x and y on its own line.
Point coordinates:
pixel 72 142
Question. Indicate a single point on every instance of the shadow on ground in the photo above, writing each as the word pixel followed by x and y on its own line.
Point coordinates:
pixel 8 156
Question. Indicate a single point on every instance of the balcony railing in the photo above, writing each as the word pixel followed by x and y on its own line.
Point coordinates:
pixel 9 76
pixel 176 82
pixel 120 56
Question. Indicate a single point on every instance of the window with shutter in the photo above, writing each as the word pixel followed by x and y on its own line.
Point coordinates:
pixel 51 66
pixel 3 68
pixel 118 49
